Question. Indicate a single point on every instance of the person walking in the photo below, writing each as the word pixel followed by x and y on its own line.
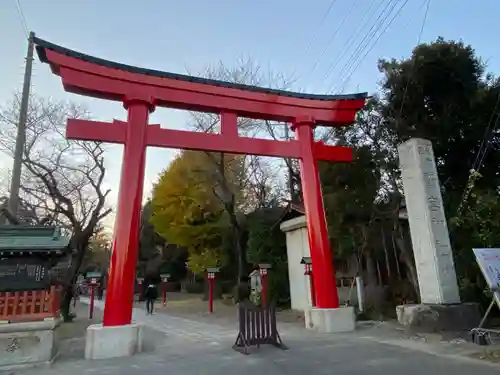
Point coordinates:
pixel 100 290
pixel 150 295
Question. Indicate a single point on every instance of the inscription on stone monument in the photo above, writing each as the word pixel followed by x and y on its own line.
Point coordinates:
pixel 428 228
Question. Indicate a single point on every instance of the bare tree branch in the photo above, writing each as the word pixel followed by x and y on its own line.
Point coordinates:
pixel 242 183
pixel 62 180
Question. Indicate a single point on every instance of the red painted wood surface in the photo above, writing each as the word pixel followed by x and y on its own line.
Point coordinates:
pixel 121 278
pixel 89 79
pixel 313 293
pixel 30 305
pixel 140 93
pixel 156 136
pixel 317 231
pixel 263 293
pixel 211 283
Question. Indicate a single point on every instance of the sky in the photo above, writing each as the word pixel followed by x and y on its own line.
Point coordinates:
pixel 313 42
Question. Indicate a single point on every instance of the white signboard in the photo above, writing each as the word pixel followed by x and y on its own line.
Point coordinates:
pixel 489 262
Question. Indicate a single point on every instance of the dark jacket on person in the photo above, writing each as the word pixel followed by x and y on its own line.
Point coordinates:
pixel 151 292
pixel 150 288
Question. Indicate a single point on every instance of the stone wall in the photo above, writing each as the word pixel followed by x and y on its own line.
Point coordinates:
pixel 28 344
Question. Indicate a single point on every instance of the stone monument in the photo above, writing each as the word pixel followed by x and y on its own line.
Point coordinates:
pixel 440 306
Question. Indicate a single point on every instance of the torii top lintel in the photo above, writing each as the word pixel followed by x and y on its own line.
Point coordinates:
pixel 91 76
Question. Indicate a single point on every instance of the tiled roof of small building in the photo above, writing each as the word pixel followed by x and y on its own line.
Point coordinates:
pixel 293 210
pixel 15 238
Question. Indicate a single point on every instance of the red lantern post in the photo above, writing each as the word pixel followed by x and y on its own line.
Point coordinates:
pixel 94 279
pixel 306 261
pixel 93 284
pixel 140 281
pixel 211 281
pixel 264 267
pixel 164 278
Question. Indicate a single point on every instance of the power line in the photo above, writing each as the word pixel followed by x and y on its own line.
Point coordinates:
pixel 486 139
pixel 380 35
pixel 424 20
pixel 314 36
pixel 422 27
pixel 480 156
pixel 20 13
pixel 327 47
pixel 349 41
pixel 366 38
pixel 382 17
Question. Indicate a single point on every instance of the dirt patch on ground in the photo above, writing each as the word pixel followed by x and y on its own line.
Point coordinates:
pixel 78 326
pixel 72 334
pixel 488 354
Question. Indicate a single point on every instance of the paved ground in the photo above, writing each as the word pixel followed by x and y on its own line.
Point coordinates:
pixel 204 328
pixel 188 347
pixel 193 307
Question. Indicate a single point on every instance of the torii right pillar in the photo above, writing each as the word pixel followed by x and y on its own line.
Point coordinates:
pixel 326 316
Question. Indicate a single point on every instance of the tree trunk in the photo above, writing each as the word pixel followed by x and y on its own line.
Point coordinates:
pixel 80 242
pixel 375 299
pixel 240 251
pixel 67 297
pixel 386 254
pixel 227 197
pixel 371 271
pixel 408 259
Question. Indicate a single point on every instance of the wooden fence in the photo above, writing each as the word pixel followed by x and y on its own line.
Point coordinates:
pixel 30 305
pixel 257 326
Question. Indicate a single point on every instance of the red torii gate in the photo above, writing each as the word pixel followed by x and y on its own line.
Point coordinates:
pixel 141 90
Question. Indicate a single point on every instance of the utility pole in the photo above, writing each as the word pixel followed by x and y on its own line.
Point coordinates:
pixel 15 182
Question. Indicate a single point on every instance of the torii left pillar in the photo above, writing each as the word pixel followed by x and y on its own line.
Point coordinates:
pixel 121 281
pixel 118 333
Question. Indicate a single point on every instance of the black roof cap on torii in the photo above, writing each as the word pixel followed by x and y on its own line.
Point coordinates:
pixel 42 45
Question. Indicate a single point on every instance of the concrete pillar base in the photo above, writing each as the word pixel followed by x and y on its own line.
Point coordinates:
pixel 112 342
pixel 337 320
